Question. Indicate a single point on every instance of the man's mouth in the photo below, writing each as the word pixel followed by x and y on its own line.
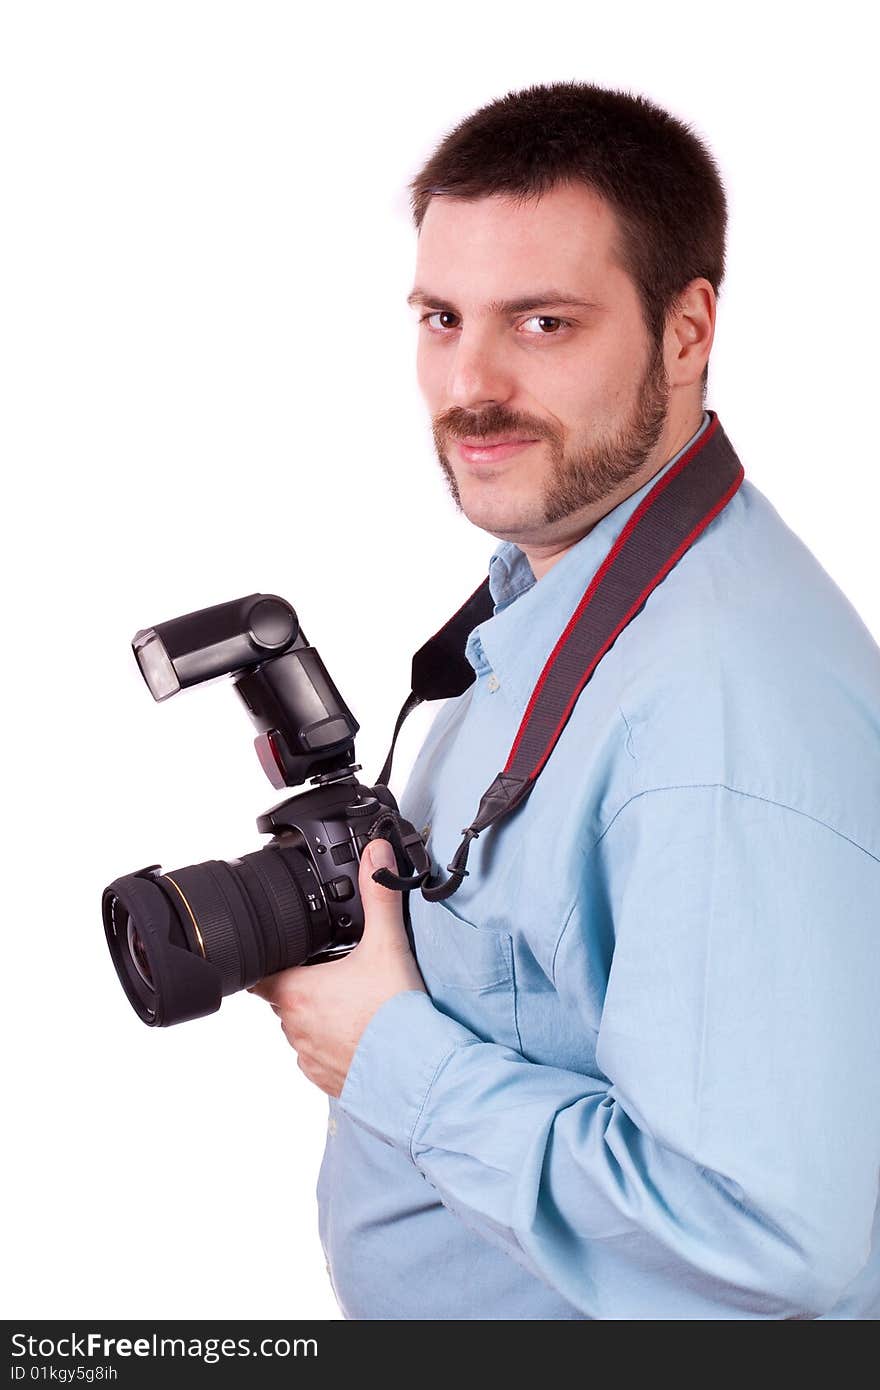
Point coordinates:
pixel 493 449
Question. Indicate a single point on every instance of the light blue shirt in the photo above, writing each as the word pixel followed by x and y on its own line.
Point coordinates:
pixel 645 1081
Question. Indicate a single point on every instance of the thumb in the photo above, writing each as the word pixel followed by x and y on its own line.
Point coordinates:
pixel 380 903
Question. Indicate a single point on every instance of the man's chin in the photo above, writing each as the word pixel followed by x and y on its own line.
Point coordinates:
pixel 476 508
pixel 502 525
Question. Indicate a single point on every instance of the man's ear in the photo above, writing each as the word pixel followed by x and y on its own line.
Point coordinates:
pixel 690 331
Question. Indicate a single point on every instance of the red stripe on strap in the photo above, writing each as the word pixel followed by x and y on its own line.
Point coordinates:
pixel 627 531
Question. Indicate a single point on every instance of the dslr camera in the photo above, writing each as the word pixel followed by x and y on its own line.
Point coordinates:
pixel 183 938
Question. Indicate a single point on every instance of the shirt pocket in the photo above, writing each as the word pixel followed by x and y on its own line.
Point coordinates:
pixel 468 970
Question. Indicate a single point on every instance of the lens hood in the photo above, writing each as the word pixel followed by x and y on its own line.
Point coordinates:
pixel 184 984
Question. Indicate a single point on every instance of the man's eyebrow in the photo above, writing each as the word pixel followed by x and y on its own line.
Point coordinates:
pixel 536 300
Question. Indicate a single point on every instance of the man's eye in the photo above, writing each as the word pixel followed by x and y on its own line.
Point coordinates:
pixel 438 314
pixel 440 321
pixel 548 324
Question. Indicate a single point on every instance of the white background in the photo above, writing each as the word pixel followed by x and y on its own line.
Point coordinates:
pixel 209 389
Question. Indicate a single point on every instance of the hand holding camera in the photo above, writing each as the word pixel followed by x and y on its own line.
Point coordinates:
pixel 324 1009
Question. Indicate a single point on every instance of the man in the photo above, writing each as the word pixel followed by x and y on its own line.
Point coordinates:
pixel 633 1070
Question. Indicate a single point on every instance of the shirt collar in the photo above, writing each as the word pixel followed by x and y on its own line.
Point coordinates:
pixel 530 614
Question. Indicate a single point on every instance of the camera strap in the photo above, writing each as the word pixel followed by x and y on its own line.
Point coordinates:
pixel 666 523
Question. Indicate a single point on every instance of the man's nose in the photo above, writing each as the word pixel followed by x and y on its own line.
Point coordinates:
pixel 479 374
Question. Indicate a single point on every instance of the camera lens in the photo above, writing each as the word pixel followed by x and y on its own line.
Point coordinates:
pixel 139 954
pixel 183 939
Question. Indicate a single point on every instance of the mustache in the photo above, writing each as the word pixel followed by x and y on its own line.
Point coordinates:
pixel 457 423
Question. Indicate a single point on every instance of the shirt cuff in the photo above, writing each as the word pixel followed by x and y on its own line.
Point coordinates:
pixel 400 1052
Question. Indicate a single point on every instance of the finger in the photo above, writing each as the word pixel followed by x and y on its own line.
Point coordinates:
pixel 379 854
pixel 266 989
pixel 383 907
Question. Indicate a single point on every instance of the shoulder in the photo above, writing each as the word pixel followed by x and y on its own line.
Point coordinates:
pixel 750 668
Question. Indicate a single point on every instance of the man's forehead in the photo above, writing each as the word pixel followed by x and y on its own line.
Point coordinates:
pixel 498 243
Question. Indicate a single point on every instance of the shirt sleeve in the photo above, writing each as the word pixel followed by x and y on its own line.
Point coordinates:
pixel 730 1141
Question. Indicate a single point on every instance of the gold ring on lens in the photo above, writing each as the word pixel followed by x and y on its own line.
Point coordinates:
pixel 191 915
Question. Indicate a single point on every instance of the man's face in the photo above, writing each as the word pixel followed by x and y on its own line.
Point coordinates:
pixel 580 388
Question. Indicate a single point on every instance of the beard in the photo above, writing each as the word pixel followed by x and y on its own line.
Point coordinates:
pixel 590 473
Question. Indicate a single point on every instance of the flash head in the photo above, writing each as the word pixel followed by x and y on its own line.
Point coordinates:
pixel 305 729
pixel 213 642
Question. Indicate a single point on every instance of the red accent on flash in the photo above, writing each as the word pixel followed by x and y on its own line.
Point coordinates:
pixel 270 759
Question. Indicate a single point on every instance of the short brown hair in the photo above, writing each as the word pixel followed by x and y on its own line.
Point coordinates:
pixel 656 174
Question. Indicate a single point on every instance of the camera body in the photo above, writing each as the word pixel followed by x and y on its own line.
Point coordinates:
pixel 331 826
pixel 183 939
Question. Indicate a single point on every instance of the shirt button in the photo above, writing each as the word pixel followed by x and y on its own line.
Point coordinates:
pixel 493 682
pixel 331 1125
